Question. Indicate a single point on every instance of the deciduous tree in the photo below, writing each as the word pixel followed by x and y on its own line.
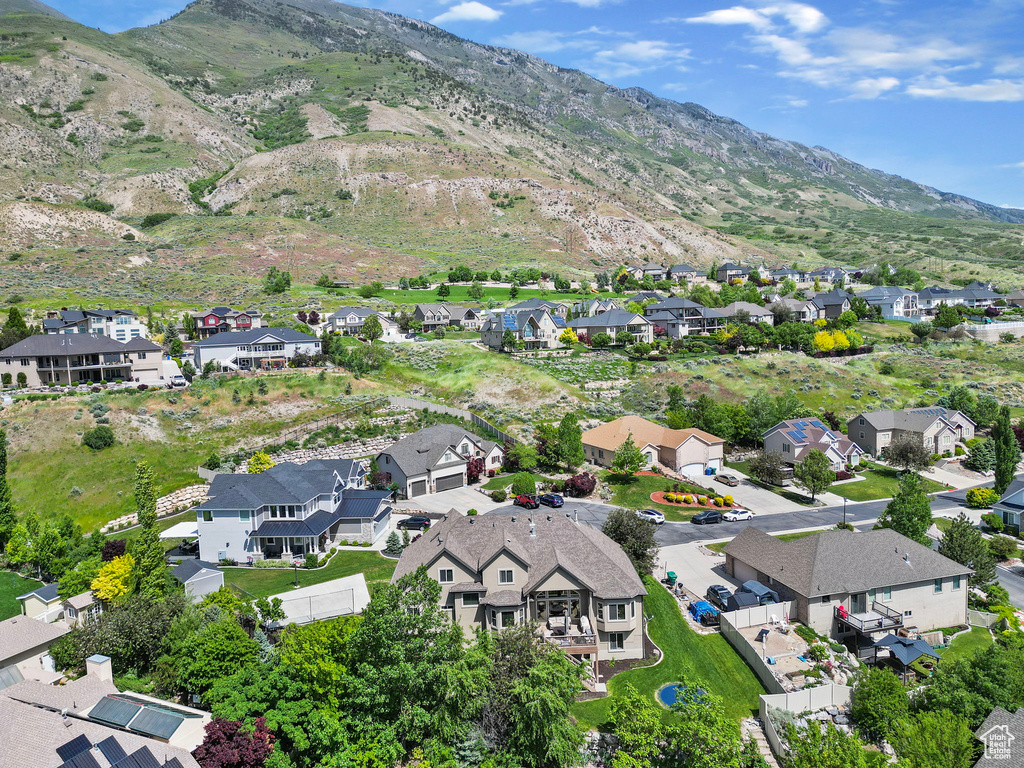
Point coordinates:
pixel 907 453
pixel 878 703
pixel 636 537
pixel 628 457
pixel 8 517
pixel 372 329
pixel 767 467
pixel 910 510
pixel 230 744
pixel 570 442
pixel 937 739
pixel 814 474
pixel 114 581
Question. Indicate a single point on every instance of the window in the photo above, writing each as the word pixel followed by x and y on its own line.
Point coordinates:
pixel 826 599
pixel 861 422
pixel 617 612
pixel 938 586
pixel 886 593
pixel 508 619
pixel 506 576
pixel 142 355
pixel 862 435
pixel 908 613
pixel 956 583
pixel 243 515
pixel 445 575
pixel 785 447
pixel 616 641
pixel 600 454
pixel 470 600
pixel 207 516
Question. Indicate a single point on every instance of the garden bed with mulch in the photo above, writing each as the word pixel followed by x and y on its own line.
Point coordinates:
pixel 658 497
pixel 606 670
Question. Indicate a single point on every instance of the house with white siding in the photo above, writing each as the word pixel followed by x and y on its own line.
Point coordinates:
pixel 260 348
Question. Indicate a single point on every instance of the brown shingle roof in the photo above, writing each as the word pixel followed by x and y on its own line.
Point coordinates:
pixel 21 634
pixel 611 435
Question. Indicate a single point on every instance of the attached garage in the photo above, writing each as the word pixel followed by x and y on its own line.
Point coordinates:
pixel 693 469
pixel 449 482
pixel 418 488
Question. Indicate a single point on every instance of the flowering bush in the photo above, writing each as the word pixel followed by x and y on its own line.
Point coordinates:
pixel 688 499
pixel 728 500
pixel 981 498
pixel 702 499
pixel 718 501
pixel 670 497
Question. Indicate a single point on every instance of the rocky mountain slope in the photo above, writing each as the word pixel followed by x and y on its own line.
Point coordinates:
pixel 333 138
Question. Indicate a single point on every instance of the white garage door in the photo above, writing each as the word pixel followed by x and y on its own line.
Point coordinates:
pixel 447 483
pixel 380 526
pixel 692 470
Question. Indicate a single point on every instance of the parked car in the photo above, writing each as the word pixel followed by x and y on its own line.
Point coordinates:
pixel 706 517
pixel 704 612
pixel 731 480
pixel 719 595
pixel 652 515
pixel 527 500
pixel 551 500
pixel 734 515
pixel 415 523
pixel 177 382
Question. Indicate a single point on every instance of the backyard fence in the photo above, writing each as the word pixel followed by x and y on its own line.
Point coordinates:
pixel 459 413
pixel 796 702
pixel 317 424
pixel 983 619
pixel 731 623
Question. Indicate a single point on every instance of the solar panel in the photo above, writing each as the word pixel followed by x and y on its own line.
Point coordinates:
pixel 114 711
pixel 142 758
pixel 154 722
pixel 112 750
pixel 84 760
pixel 76 746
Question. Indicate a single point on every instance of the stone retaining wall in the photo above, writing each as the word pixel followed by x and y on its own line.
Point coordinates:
pixel 353 449
pixel 175 501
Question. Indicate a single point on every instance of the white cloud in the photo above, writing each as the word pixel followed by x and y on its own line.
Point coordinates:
pixel 675 87
pixel 988 90
pixel 798 102
pixel 803 18
pixel 468 11
pixel 1009 66
pixel 1012 165
pixel 644 50
pixel 738 14
pixel 872 87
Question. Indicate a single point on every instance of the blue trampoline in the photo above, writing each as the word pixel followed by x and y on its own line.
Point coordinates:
pixel 669 694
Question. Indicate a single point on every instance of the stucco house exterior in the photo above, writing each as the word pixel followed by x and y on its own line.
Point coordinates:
pixel 1011 506
pixel 894 302
pixel 684 273
pixel 348 321
pixel 939 428
pixel 614 322
pixel 689 451
pixel 118 324
pixel 82 358
pixel 434 316
pixel 795 438
pixel 260 348
pixel 682 317
pixel 855 586
pixel 289 511
pixel 198 577
pixel 729 272
pixel 436 459
pixel 804 310
pixel 499 571
pixel 534 328
pixel 225 320
pixel 756 313
pixel 593 307
pixel 555 308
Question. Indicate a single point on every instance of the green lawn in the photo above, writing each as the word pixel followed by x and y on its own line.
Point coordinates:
pixel 262 582
pixel 879 483
pixel 967 643
pixel 635 493
pixel 12 585
pixel 942 523
pixel 719 546
pixel 500 482
pixel 707 659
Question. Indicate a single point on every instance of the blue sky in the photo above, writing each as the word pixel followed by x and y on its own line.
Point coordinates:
pixel 933 91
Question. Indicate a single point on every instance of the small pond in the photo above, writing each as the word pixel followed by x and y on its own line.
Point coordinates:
pixel 669 694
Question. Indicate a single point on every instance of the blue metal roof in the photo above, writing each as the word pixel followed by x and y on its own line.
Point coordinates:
pixel 906 650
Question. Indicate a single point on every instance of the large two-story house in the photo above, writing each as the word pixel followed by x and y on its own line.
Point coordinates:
pixel 434 316
pixel 682 317
pixel 289 511
pixel 894 302
pixel 557 309
pixel 613 323
pixel 499 571
pixel 803 310
pixel 979 296
pixel 939 428
pixel 593 307
pixel 754 312
pixel 260 348
pixel 684 273
pixel 349 321
pixel 533 329
pixel 78 358
pixel 855 586
pixel 794 439
pixel 118 324
pixel 225 320
pixel 833 303
pixel 437 459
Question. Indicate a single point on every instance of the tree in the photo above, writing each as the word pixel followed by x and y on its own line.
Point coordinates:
pixel 508 340
pixel 638 728
pixel 910 510
pixel 513 291
pixel 934 740
pixel 150 572
pixel 496 276
pixel 570 442
pixel 907 453
pixel 703 736
pixel 947 317
pixel 188 324
pixel 986 410
pixel 568 337
pixel 276 281
pixel 8 517
pixel 922 330
pixel 260 462
pixel 520 456
pixel 767 467
pixel 878 703
pixel 22 380
pixel 580 485
pixel 814 474
pixel 474 469
pixel 316 655
pixel 372 329
pixel 114 581
pixel 523 483
pixel 1007 451
pixel 982 456
pixel 475 291
pixel 622 338
pixel 965 544
pixel 443 291
pixel 636 537
pixel 602 340
pixel 217 650
pixel 629 459
pixel 99 437
pixel 229 744
pixel 812 747
pixel 393 545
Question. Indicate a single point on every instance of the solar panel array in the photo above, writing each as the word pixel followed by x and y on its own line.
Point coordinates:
pixel 76 746
pixel 114 711
pixel 153 722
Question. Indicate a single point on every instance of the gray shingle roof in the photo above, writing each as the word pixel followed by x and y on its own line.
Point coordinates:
pixel 839 562
pixel 1013 721
pixel 911 419
pixel 189 568
pixel 255 335
pixel 579 549
pixel 611 317
pixel 281 484
pixel 80 601
pixel 20 634
pixel 139 344
pixel 61 344
pixel 74 696
pixel 423 450
pixel 534 303
pixel 362 312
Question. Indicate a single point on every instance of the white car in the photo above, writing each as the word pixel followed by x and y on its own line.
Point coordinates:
pixel 177 382
pixel 651 516
pixel 733 515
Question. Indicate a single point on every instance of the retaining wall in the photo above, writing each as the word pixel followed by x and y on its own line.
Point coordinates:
pixel 797 702
pixel 175 501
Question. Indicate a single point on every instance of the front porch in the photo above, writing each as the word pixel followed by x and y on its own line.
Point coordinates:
pixel 289 547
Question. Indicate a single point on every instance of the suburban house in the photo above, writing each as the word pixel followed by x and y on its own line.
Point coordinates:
pixel 593 307
pixel 434 316
pixel 804 310
pixel 644 297
pixel 226 320
pixel 260 348
pixel 348 321
pixel 556 309
pixel 82 358
pixel 82 608
pixel 502 571
pixel 1015 298
pixel 829 275
pixel 684 273
pixel 1011 506
pixel 795 438
pixel 198 577
pixel 533 329
pixel 119 324
pixel 682 317
pixel 289 511
pixel 654 271
pixel 436 459
pixel 786 273
pixel 25 644
pixel 930 299
pixel 614 322
pixel 42 603
pixel 939 428
pixel 892 301
pixel 855 587
pixel 833 303
pixel 755 313
pixel 729 272
pixel 689 451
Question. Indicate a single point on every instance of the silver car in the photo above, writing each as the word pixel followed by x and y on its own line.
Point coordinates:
pixel 652 516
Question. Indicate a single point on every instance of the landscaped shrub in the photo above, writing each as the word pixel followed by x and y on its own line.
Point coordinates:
pixel 842 474
pixel 1003 548
pixel 99 437
pixel 687 499
pixel 728 500
pixel 498 495
pixel 471 512
pixel 981 498
pixel 580 485
pixel 311 560
pixel 993 521
pixel 523 483
pixel 702 499
pixel 718 501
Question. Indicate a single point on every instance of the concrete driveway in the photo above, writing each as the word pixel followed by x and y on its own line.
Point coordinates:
pixel 696 570
pixel 753 497
pixel 462 499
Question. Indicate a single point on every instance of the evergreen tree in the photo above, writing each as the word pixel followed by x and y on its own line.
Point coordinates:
pixel 8 518
pixel 947 317
pixel 910 510
pixel 628 457
pixel 1007 451
pixel 570 442
pixel 965 544
pixel 150 572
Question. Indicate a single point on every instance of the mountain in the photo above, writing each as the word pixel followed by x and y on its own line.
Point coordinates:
pixel 30 6
pixel 326 137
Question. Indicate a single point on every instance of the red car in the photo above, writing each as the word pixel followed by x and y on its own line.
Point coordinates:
pixel 527 500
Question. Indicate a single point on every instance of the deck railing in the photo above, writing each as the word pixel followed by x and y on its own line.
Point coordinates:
pixel 886 619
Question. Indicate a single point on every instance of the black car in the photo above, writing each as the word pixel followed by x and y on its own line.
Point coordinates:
pixel 551 500
pixel 718 595
pixel 706 517
pixel 414 523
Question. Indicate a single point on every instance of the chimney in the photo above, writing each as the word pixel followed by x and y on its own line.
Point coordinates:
pixel 99 667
